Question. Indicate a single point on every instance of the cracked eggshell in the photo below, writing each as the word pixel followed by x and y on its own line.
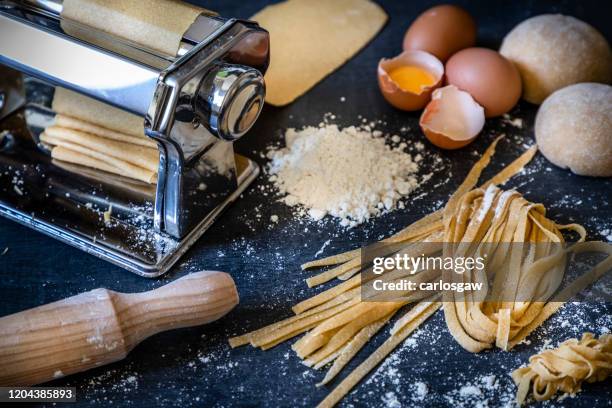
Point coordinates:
pixel 400 98
pixel 452 119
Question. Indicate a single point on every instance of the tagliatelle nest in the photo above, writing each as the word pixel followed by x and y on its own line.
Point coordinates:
pixel 565 367
pixel 475 221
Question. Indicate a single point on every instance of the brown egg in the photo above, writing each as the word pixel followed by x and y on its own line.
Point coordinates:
pixel 420 74
pixel 441 31
pixel 492 80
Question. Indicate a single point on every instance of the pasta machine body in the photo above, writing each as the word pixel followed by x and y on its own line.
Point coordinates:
pixel 194 104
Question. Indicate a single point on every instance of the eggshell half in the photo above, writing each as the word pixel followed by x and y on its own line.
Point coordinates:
pixel 400 98
pixel 452 119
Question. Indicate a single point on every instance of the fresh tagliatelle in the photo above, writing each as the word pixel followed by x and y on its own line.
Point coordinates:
pixel 475 221
pixel 565 368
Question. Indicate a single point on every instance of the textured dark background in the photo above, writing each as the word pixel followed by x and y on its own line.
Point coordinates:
pixel 195 367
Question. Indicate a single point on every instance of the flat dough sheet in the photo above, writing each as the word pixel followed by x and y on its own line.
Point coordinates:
pixel 90 110
pixel 122 158
pixel 68 155
pixel 155 24
pixel 69 122
pixel 309 39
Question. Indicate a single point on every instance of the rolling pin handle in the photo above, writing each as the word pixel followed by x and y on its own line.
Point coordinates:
pixel 193 300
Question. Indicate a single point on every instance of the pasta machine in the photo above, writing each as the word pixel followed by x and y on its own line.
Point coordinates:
pixel 194 104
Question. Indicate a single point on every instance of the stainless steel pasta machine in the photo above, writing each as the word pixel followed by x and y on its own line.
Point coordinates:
pixel 194 104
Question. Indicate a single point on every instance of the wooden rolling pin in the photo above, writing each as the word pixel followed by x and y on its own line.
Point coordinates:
pixel 102 326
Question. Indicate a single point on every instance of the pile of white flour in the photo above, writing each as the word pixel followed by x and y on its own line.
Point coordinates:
pixel 348 173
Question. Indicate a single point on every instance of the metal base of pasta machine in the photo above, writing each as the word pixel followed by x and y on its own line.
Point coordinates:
pixel 105 215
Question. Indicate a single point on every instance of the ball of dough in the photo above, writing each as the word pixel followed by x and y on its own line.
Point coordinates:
pixel 553 51
pixel 573 129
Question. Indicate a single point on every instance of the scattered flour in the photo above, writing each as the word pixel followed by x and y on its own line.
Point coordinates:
pixel 390 400
pixel 320 251
pixel 420 390
pixel 470 391
pixel 516 122
pixel 481 391
pixel 349 173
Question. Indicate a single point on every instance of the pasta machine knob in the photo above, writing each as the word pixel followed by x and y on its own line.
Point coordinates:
pixel 230 98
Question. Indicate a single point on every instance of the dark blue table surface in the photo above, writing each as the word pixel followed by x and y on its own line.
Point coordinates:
pixel 196 367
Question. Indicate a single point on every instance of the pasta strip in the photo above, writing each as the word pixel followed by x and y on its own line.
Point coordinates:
pixel 352 348
pixel 333 273
pixel 378 356
pixel 299 325
pixel 327 295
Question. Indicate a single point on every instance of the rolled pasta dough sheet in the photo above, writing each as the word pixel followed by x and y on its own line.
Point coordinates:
pixel 310 39
pixel 73 152
pixel 144 157
pixel 155 24
pixel 87 127
pixel 79 106
pixel 75 156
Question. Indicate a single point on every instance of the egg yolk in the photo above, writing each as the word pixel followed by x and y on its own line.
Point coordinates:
pixel 412 79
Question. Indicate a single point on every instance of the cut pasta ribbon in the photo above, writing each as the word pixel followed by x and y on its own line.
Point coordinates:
pixel 565 368
pixel 474 222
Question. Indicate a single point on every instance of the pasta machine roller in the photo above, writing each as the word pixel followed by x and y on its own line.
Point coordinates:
pixel 194 104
